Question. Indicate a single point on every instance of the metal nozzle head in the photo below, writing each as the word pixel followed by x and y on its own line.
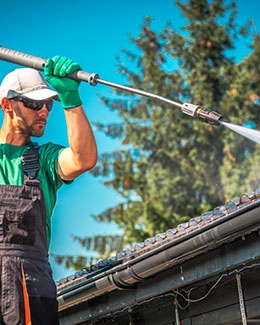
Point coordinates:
pixel 208 116
pixel 203 114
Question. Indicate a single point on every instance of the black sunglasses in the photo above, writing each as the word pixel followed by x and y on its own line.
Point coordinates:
pixel 36 105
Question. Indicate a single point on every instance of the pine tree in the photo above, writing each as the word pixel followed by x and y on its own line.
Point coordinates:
pixel 174 168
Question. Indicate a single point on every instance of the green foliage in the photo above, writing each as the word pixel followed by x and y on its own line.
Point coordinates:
pixel 175 168
pixel 77 262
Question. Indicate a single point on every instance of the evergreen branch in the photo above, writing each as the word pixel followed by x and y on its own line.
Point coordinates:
pixel 104 245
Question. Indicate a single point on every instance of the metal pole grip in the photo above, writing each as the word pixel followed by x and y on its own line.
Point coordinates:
pixel 23 59
pixel 38 63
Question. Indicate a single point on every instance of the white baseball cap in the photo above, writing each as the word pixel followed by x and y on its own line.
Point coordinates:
pixel 26 82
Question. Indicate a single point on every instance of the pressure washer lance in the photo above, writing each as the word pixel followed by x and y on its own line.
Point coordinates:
pixel 201 113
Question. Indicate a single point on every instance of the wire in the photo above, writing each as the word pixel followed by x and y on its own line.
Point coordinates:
pixel 215 284
pixel 203 297
pixel 178 303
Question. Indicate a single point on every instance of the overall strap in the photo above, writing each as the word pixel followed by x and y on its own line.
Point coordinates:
pixel 31 166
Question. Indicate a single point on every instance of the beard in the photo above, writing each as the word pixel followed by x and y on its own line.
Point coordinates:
pixel 32 128
pixel 37 129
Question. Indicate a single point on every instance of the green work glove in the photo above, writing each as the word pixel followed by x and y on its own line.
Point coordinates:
pixel 55 72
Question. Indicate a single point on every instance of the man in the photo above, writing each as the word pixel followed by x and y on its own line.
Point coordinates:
pixel 29 179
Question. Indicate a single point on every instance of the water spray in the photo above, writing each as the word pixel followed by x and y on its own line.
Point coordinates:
pixel 201 113
pixel 253 135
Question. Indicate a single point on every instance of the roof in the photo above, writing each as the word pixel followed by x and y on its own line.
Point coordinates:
pixel 171 236
pixel 194 256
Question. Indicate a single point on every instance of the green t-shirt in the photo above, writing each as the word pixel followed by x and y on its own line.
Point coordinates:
pixel 11 172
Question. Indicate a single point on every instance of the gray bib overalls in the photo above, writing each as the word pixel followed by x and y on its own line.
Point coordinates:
pixel 25 273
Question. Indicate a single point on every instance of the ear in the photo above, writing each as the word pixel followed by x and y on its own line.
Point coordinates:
pixel 6 106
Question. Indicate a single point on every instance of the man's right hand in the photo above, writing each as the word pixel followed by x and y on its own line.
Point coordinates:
pixel 55 72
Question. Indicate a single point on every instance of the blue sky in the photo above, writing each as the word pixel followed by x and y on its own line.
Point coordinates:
pixel 91 33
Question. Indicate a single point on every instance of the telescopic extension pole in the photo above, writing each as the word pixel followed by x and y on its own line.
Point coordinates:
pixel 201 113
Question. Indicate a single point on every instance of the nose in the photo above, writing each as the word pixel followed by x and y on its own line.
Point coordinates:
pixel 44 111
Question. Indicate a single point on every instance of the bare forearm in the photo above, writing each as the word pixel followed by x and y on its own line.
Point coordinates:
pixel 81 139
